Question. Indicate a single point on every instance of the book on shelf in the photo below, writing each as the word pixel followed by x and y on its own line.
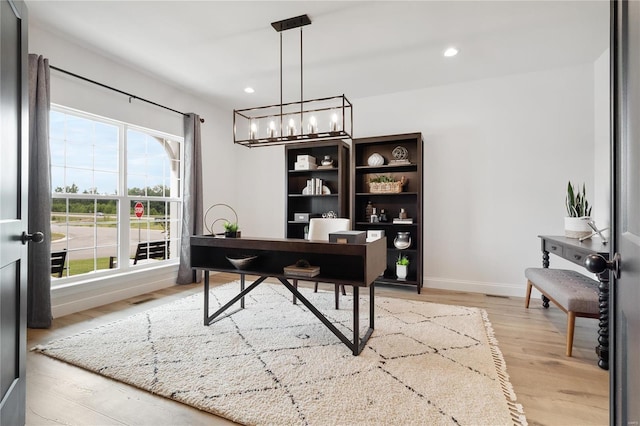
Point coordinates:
pixel 314 187
pixel 407 221
pixel 399 162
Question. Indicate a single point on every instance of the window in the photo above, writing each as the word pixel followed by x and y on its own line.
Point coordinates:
pixel 116 188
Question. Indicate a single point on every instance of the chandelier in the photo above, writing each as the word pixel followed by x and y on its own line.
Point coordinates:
pixel 300 121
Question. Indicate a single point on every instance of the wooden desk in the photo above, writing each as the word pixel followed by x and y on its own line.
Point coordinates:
pixel 357 265
pixel 576 252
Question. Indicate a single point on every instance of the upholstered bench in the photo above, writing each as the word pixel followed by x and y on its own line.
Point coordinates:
pixel 571 291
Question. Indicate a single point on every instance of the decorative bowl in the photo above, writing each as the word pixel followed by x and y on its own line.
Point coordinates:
pixel 241 261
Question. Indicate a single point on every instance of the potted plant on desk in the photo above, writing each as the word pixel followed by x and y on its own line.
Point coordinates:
pixel 402 266
pixel 576 224
pixel 230 230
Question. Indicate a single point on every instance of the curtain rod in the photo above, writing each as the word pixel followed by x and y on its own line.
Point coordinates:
pixel 119 91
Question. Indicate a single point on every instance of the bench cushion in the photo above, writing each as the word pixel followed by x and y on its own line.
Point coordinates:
pixel 571 289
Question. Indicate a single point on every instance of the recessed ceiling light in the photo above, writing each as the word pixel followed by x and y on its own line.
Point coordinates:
pixel 248 90
pixel 451 51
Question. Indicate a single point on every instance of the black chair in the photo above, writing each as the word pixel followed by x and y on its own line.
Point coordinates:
pixel 58 258
pixel 146 250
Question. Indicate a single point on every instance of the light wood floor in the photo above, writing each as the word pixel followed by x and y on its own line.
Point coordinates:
pixel 554 389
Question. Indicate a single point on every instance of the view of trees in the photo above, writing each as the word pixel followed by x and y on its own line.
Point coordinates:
pixel 109 207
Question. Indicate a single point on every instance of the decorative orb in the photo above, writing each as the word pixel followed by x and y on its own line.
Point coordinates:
pixel 400 153
pixel 375 159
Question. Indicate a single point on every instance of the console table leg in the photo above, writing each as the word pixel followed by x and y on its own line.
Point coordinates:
pixel 545 264
pixel 603 333
pixel 545 259
pixel 545 301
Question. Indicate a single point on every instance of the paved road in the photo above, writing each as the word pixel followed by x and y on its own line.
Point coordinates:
pixel 77 237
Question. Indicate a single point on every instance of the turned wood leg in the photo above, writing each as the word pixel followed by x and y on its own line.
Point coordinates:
pixel 315 287
pixel 545 264
pixel 344 292
pixel 545 301
pixel 603 333
pixel 295 285
pixel 337 295
pixel 526 300
pixel 571 323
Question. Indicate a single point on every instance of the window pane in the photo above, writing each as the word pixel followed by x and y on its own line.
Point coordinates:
pixel 57 179
pixel 87 175
pixel 79 181
pixel 82 154
pixel 106 183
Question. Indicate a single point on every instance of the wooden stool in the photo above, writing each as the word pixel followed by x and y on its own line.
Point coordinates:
pixel 570 291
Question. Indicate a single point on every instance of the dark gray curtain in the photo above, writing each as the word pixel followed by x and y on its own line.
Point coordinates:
pixel 39 277
pixel 192 198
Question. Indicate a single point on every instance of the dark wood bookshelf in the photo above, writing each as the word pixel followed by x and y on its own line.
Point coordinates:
pixel 411 199
pixel 336 179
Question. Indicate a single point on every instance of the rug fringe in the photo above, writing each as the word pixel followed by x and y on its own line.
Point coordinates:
pixel 516 409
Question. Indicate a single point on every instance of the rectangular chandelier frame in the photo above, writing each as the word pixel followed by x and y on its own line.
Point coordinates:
pixel 300 121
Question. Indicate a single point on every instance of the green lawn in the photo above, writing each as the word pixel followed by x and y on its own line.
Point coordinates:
pixel 82 266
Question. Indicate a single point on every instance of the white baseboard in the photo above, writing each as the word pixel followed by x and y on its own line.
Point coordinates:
pixel 92 293
pixel 494 289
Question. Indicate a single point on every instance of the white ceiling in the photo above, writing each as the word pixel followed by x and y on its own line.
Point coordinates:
pixel 359 48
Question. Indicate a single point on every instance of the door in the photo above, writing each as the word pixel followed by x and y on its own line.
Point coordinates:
pixel 625 290
pixel 13 210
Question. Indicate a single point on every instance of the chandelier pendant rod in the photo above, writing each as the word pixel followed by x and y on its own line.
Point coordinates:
pixel 281 116
pixel 301 86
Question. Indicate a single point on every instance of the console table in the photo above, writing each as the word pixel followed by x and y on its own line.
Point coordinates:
pixel 356 265
pixel 576 252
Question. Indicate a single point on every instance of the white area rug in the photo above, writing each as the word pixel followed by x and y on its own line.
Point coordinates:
pixel 275 363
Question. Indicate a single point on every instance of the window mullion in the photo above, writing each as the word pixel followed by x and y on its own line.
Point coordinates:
pixel 123 235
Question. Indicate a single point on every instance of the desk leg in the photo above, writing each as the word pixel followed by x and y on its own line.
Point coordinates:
pixel 206 297
pixel 295 285
pixel 242 289
pixel 372 304
pixel 356 320
pixel 603 333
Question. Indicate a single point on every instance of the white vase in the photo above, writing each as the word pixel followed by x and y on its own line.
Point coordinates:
pixel 401 271
pixel 577 227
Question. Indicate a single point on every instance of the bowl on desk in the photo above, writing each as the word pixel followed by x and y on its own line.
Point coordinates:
pixel 241 261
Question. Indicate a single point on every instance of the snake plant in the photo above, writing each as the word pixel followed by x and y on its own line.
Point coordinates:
pixel 576 202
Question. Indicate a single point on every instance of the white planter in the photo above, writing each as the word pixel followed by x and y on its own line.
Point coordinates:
pixel 401 271
pixel 577 227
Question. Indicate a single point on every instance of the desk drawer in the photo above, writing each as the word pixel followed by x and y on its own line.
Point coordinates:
pixel 554 248
pixel 575 256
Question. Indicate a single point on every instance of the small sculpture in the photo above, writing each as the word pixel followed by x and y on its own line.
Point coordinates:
pixel 375 160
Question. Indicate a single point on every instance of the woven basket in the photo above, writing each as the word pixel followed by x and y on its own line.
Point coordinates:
pixel 387 187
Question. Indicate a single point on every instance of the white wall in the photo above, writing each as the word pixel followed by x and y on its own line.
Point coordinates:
pixel 602 167
pixel 217 147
